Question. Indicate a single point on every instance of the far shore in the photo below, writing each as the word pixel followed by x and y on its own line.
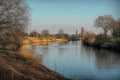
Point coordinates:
pixel 107 45
pixel 37 40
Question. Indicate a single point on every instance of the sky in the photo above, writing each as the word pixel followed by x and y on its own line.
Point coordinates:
pixel 69 15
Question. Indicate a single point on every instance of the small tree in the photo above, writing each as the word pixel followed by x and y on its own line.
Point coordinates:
pixel 13 22
pixel 61 33
pixel 101 38
pixel 45 33
pixel 34 33
pixel 105 22
pixel 82 32
pixel 89 37
pixel 116 29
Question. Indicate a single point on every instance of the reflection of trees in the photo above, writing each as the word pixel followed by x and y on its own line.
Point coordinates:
pixel 87 53
pixel 44 50
pixel 46 43
pixel 62 43
pixel 61 50
pixel 39 50
pixel 61 47
pixel 106 59
pixel 74 43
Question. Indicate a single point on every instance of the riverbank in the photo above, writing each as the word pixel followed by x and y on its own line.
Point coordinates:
pixel 37 40
pixel 17 67
pixel 106 45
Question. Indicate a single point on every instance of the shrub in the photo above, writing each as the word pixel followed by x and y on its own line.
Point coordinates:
pixel 13 22
pixel 89 37
pixel 101 38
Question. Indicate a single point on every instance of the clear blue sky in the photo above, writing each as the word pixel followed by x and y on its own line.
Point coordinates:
pixel 70 15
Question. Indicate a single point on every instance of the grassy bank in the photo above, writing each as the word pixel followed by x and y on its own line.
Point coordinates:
pixel 113 44
pixel 37 40
pixel 15 66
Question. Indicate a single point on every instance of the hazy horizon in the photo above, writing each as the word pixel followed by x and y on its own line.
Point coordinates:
pixel 69 15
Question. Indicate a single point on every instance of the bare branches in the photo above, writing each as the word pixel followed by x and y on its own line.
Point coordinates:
pixel 13 13
pixel 13 21
pixel 105 22
pixel 45 32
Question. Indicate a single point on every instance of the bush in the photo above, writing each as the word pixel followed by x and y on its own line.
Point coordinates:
pixel 13 22
pixel 11 40
pixel 89 37
pixel 101 38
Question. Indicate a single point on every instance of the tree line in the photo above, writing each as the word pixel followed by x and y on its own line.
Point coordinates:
pixel 103 40
pixel 14 18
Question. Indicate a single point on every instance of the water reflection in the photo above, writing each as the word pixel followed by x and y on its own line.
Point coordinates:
pixel 106 59
pixel 88 53
pixel 79 62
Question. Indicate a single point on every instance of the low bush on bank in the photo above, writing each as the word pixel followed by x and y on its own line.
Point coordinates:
pixel 89 37
pixel 6 53
pixel 115 39
pixel 101 38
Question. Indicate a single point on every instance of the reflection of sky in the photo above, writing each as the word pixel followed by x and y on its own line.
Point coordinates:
pixel 79 62
pixel 70 14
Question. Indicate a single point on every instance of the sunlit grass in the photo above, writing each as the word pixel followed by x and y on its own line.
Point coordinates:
pixel 115 39
pixel 6 53
pixel 27 54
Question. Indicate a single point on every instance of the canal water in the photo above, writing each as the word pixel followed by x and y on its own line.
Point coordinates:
pixel 78 62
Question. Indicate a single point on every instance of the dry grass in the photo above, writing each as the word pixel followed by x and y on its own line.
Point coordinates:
pixel 34 40
pixel 17 69
pixel 27 54
pixel 25 66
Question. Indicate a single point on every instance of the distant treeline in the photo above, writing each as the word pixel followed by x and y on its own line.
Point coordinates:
pixel 103 40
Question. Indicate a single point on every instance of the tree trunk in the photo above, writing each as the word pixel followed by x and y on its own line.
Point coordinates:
pixel 105 32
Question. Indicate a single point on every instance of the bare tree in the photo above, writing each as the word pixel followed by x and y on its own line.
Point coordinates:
pixel 13 21
pixel 105 22
pixel 116 29
pixel 89 37
pixel 13 14
pixel 82 31
pixel 76 33
pixel 45 33
pixel 61 33
pixel 34 33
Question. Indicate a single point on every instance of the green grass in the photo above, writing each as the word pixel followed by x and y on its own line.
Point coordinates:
pixel 5 53
pixel 115 39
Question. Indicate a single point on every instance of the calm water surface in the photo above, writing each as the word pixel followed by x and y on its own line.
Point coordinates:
pixel 78 62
